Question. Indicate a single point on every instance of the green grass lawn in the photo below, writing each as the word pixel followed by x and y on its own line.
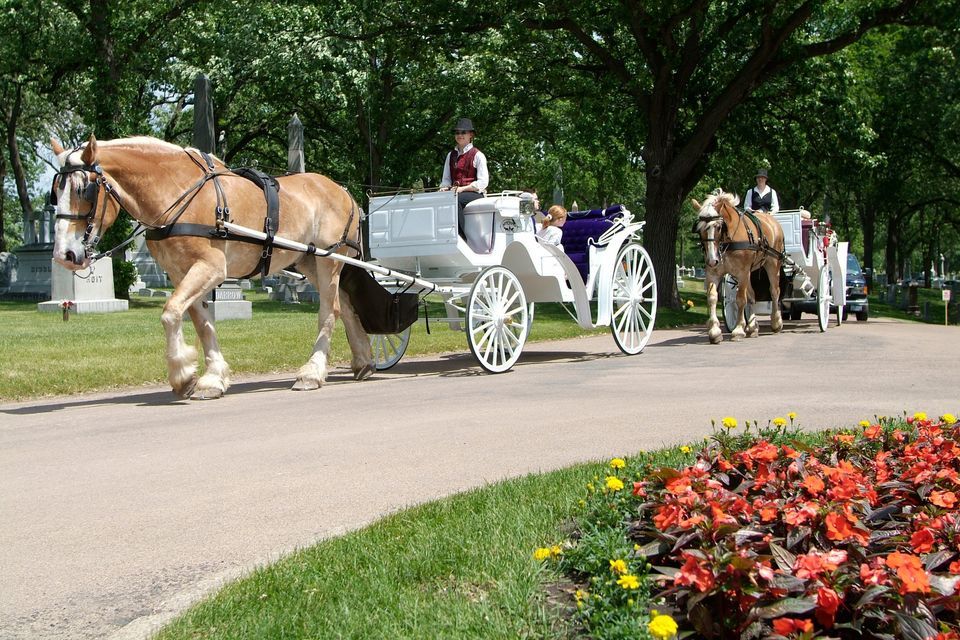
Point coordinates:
pixel 43 355
pixel 461 568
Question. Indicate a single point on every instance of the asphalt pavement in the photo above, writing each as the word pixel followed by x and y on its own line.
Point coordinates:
pixel 120 509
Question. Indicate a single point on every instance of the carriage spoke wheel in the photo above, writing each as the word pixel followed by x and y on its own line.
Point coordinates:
pixel 824 298
pixel 497 319
pixel 389 348
pixel 728 292
pixel 634 299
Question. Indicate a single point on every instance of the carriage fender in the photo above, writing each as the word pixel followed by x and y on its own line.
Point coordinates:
pixel 602 266
pixel 837 255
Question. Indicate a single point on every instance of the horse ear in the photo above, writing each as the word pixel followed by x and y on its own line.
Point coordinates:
pixel 696 205
pixel 55 146
pixel 89 156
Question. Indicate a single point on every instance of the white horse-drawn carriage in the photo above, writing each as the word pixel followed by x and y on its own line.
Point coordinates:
pixel 814 270
pixel 490 277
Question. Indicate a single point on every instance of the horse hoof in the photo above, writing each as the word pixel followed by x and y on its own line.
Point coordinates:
pixel 207 393
pixel 363 372
pixel 716 339
pixel 305 384
pixel 186 390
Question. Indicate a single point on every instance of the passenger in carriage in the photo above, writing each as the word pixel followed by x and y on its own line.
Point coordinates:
pixel 551 231
pixel 465 168
pixel 761 197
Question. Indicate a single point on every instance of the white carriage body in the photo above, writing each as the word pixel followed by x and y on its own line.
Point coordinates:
pixel 813 259
pixel 416 233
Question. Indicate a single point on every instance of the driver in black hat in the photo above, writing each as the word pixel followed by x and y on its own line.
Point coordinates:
pixel 762 197
pixel 465 169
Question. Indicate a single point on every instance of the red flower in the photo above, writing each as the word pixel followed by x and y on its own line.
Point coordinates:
pixel 874 574
pixel 827 604
pixel 873 432
pixel 912 576
pixel 945 499
pixel 954 567
pixel 813 484
pixel 841 526
pixel 788 626
pixel 695 574
pixel 666 516
pixel 639 489
pixel 922 541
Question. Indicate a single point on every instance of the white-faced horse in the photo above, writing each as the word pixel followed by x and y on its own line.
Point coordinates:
pixel 739 243
pixel 184 197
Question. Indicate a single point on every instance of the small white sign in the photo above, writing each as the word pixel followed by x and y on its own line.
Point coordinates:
pixel 946 295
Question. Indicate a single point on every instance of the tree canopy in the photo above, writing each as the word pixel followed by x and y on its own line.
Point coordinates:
pixel 852 105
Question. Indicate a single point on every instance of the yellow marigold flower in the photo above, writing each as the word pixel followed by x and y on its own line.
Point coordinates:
pixel 618 566
pixel 662 627
pixel 689 304
pixel 580 594
pixel 730 423
pixel 629 581
pixel 779 422
pixel 618 463
pixel 949 418
pixel 614 483
pixel 556 551
pixel 541 553
pixel 590 487
pixel 792 415
pixel 864 423
pixel 685 449
pixel 919 415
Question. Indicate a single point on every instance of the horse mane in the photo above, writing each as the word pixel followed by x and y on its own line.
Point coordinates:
pixel 720 196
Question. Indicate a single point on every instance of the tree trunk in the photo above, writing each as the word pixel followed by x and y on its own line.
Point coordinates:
pixel 663 203
pixel 868 222
pixel 3 200
pixel 19 177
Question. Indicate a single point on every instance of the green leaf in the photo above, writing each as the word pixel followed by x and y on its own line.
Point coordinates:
pixel 913 628
pixel 787 606
pixel 783 558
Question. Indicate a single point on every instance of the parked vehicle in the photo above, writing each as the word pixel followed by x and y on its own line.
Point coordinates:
pixel 857 301
pixel 856 288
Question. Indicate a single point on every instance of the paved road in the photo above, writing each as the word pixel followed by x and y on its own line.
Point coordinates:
pixel 118 510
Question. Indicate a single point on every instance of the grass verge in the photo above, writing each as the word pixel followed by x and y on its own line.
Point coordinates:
pixel 43 355
pixel 461 568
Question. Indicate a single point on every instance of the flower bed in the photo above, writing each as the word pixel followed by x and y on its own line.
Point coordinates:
pixel 771 533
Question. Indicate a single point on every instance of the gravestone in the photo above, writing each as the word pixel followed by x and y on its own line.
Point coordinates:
pixel 88 291
pixel 32 276
pixel 226 302
pixel 150 273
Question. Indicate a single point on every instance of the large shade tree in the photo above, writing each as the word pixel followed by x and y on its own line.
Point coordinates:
pixel 684 67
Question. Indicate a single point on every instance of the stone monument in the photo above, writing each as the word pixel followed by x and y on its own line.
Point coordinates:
pixel 86 291
pixel 30 279
pixel 226 302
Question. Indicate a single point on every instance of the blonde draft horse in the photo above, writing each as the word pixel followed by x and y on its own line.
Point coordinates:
pixel 733 244
pixel 159 183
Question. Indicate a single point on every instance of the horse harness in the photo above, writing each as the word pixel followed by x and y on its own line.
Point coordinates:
pixel 90 192
pixel 759 244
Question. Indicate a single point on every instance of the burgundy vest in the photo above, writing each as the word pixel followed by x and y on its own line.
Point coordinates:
pixel 462 171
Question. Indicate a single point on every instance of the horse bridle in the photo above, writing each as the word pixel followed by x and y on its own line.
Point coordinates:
pixel 90 192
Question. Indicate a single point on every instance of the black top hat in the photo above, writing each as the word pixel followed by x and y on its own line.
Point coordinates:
pixel 761 173
pixel 464 124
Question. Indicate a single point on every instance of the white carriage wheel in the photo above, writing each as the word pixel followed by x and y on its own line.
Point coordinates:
pixel 824 297
pixel 389 348
pixel 497 319
pixel 729 299
pixel 634 299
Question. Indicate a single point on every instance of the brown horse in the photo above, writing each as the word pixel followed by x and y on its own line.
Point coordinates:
pixel 734 243
pixel 160 185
